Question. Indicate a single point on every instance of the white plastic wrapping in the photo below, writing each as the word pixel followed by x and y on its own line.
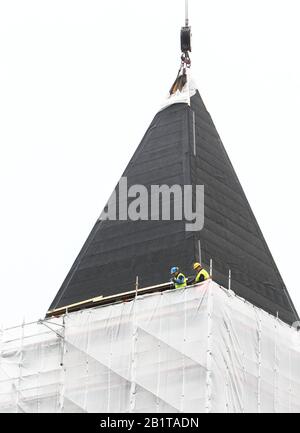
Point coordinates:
pixel 183 96
pixel 200 349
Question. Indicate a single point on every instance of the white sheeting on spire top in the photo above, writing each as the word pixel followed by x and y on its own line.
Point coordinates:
pixel 183 96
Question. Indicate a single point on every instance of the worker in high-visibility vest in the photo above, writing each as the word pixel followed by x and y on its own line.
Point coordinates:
pixel 201 273
pixel 178 278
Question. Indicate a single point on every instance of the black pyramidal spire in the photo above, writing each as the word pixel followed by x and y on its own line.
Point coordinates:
pixel 181 147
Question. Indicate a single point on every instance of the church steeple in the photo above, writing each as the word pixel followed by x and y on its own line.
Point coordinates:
pixel 181 147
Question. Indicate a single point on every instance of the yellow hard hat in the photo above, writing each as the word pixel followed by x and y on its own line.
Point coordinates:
pixel 196 265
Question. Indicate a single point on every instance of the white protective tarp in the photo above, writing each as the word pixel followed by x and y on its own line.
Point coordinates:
pixel 183 96
pixel 200 349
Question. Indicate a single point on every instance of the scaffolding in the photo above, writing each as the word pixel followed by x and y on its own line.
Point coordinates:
pixel 198 349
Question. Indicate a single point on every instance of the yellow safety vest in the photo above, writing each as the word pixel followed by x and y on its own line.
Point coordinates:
pixel 180 286
pixel 202 272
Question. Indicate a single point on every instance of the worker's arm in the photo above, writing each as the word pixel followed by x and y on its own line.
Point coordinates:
pixel 202 278
pixel 179 280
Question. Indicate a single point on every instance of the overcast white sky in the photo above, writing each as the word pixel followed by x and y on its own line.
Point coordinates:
pixel 80 81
